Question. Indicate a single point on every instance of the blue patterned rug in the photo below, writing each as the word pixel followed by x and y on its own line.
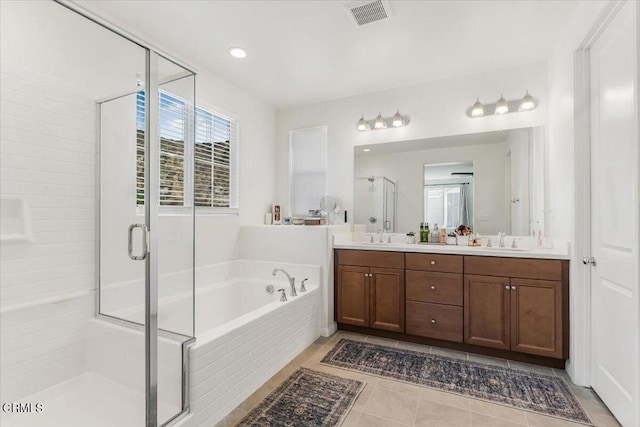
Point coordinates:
pixel 307 398
pixel 543 394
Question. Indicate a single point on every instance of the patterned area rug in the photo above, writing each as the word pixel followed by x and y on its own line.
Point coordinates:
pixel 307 398
pixel 544 394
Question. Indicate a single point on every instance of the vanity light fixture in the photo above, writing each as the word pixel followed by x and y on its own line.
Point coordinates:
pixel 397 120
pixel 502 107
pixel 237 52
pixel 527 103
pixel 363 124
pixel 380 122
pixel 478 109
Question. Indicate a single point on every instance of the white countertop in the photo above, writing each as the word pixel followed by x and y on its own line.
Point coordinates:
pixel 560 250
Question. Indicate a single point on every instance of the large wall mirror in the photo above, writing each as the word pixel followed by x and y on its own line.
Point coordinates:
pixel 490 181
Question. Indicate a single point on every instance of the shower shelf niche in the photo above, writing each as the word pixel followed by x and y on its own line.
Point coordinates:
pixel 15 225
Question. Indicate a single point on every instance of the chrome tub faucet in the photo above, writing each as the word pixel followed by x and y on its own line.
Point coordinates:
pixel 292 280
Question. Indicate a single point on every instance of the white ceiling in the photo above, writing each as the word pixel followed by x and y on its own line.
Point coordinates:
pixel 307 51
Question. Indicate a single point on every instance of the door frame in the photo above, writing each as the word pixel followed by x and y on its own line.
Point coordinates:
pixel 579 364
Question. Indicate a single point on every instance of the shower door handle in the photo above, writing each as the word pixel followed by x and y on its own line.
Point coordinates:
pixel 387 225
pixel 145 246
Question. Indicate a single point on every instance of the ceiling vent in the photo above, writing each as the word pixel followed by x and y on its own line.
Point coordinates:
pixel 366 12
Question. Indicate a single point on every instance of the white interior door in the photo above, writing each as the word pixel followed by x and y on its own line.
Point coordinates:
pixel 614 210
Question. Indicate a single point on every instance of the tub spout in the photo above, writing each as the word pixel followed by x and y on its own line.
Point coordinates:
pixel 292 280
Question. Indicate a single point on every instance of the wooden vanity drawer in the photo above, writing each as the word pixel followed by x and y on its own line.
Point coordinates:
pixel 433 262
pixel 525 268
pixel 439 288
pixel 438 321
pixel 370 258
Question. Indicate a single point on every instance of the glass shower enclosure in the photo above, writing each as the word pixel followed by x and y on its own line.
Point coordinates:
pixel 97 159
pixel 375 204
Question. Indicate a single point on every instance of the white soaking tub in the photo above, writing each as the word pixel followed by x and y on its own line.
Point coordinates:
pixel 246 335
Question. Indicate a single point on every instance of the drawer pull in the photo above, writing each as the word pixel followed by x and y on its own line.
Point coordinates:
pixel 433 321
pixel 433 287
pixel 433 263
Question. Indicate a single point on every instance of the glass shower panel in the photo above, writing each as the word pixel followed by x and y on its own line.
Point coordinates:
pixel 375 204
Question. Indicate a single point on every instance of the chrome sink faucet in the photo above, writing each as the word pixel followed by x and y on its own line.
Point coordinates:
pixel 501 244
pixel 292 280
pixel 380 236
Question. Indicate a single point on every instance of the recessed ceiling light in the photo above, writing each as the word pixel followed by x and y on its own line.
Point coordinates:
pixel 366 150
pixel 237 52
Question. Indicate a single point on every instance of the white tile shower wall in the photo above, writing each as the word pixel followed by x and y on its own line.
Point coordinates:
pixel 227 370
pixel 47 159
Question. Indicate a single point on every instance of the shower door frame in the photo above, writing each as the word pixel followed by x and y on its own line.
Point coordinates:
pixel 151 214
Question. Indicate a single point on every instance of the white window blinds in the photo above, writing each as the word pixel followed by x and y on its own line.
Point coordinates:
pixel 214 171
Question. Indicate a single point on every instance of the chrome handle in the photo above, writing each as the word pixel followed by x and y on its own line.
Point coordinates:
pixel 145 246
pixel 433 321
pixel 587 261
pixel 433 287
pixel 433 263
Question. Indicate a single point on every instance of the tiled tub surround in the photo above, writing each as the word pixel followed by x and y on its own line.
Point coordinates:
pixel 238 347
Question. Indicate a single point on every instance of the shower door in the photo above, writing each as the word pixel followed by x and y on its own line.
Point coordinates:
pixel 146 231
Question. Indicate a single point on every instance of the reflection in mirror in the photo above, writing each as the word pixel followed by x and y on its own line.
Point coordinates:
pixel 375 204
pixel 498 181
pixel 448 194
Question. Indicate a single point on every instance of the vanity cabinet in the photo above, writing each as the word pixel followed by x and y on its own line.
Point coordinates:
pixel 370 289
pixel 434 296
pixel 523 313
pixel 506 307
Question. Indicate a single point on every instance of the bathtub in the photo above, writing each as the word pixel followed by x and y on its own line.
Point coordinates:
pixel 244 335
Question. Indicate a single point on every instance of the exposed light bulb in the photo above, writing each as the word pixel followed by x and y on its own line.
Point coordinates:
pixel 527 103
pixel 379 123
pixel 477 110
pixel 363 125
pixel 397 120
pixel 502 107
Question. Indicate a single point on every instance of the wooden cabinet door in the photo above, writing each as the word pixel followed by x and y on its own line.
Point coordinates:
pixel 536 317
pixel 486 311
pixel 386 299
pixel 352 299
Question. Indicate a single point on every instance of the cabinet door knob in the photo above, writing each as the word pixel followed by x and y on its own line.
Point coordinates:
pixel 433 287
pixel 513 288
pixel 507 287
pixel 433 321
pixel 433 263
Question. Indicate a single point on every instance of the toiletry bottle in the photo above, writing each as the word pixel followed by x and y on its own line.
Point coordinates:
pixel 426 233
pixel 435 234
pixel 421 232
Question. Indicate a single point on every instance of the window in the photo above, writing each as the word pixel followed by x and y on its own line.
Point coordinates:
pixel 442 205
pixel 307 168
pixel 214 172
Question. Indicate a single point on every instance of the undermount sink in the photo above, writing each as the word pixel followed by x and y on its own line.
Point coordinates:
pixel 378 243
pixel 507 249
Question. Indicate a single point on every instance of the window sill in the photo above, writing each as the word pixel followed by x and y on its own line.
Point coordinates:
pixel 187 211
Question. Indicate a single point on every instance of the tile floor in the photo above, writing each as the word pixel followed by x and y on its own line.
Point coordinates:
pixel 385 402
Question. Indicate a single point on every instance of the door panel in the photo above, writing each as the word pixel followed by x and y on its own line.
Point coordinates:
pixel 614 215
pixel 486 311
pixel 536 317
pixel 353 295
pixel 387 299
